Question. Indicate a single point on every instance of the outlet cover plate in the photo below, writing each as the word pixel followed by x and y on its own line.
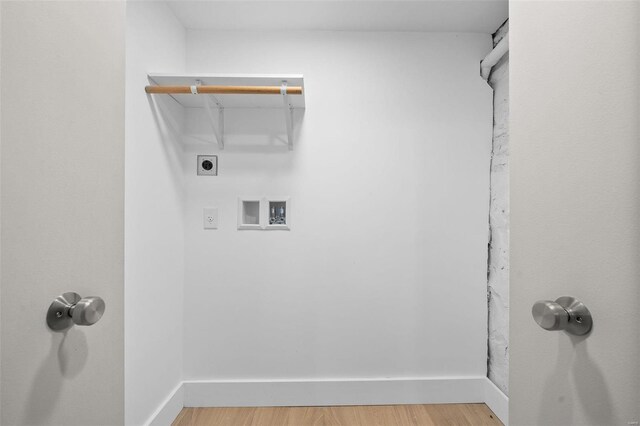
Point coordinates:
pixel 210 217
pixel 207 165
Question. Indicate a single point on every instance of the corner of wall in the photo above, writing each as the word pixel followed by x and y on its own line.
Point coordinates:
pixel 169 409
pixel 154 273
pixel 498 259
pixel 497 401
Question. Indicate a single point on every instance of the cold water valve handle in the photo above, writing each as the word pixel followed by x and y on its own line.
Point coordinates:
pixel 566 313
pixel 69 308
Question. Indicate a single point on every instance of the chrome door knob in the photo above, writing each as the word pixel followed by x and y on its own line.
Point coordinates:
pixel 69 308
pixel 566 313
pixel 550 315
pixel 87 311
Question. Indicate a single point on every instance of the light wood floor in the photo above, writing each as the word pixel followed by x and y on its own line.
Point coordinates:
pixel 379 415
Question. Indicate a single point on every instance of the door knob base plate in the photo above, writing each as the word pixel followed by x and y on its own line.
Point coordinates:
pixel 58 318
pixel 580 320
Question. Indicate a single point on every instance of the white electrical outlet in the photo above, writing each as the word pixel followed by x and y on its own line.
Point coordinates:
pixel 210 217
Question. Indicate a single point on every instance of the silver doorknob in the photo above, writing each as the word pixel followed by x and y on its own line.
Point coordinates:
pixel 69 308
pixel 87 311
pixel 566 313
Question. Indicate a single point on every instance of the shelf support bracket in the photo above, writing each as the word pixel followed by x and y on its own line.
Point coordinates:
pixel 218 129
pixel 288 113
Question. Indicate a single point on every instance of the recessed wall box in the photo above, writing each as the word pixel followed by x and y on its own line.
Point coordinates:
pixel 278 213
pixel 207 165
pixel 250 213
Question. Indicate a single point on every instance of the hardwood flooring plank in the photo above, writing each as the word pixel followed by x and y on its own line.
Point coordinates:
pixel 371 415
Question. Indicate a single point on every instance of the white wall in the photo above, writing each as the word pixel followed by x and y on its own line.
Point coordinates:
pixel 575 204
pixel 383 274
pixel 154 242
pixel 0 211
pixel 498 277
pixel 62 126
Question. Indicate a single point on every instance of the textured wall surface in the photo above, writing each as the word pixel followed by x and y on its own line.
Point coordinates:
pixel 498 274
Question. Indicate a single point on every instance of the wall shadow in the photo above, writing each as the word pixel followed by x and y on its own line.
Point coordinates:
pixel 247 130
pixel 168 120
pixel 557 387
pixel 576 385
pixel 67 357
pixel 590 385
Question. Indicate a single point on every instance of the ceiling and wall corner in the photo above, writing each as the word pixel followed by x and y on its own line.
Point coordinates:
pixel 468 16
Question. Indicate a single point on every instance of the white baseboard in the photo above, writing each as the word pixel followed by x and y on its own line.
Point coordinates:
pixel 497 401
pixel 333 392
pixel 273 393
pixel 170 409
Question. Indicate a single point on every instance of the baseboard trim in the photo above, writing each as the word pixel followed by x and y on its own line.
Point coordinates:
pixel 333 392
pixel 169 410
pixel 497 401
pixel 273 393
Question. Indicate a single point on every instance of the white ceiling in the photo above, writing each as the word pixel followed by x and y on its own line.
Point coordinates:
pixel 478 16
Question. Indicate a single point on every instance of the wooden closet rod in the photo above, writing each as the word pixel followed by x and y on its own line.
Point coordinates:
pixel 235 90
